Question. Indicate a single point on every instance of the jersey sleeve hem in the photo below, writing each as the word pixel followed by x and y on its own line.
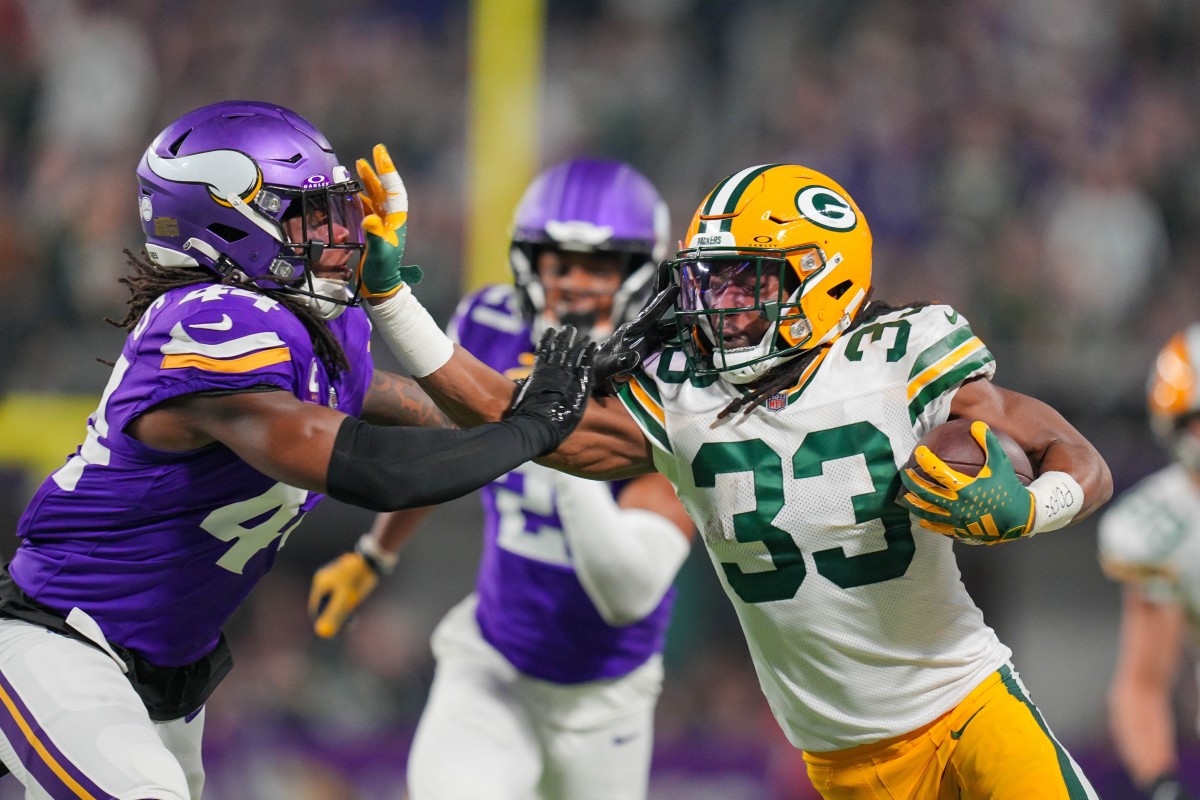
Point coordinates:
pixel 199 385
pixel 640 397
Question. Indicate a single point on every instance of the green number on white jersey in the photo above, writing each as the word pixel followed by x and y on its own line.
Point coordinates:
pixel 859 439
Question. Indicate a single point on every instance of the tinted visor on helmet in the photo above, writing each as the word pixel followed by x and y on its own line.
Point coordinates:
pixel 323 225
pixel 735 303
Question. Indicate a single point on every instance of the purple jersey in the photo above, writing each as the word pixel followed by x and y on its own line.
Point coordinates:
pixel 532 607
pixel 158 547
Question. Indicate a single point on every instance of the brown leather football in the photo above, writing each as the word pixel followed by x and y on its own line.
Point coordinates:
pixel 953 443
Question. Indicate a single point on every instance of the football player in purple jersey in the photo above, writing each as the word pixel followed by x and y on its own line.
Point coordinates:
pixel 245 392
pixel 549 672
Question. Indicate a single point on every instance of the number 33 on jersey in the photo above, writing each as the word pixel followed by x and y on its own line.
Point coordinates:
pixel 796 504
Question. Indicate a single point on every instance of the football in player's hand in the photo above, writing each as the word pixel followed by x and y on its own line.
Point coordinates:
pixel 953 443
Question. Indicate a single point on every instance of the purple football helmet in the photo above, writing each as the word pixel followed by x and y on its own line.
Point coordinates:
pixel 252 189
pixel 590 206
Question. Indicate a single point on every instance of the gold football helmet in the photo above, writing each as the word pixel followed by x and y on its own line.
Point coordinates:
pixel 778 262
pixel 1173 396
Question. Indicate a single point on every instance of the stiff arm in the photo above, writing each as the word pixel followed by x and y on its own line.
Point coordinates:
pixel 606 445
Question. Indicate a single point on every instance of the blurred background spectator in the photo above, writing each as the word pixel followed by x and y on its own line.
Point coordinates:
pixel 1035 163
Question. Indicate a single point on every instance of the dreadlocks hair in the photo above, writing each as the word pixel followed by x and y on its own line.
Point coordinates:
pixel 786 375
pixel 148 283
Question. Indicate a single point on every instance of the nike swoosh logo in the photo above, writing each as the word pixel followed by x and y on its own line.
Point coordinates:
pixel 958 733
pixel 620 740
pixel 225 324
pixel 951 316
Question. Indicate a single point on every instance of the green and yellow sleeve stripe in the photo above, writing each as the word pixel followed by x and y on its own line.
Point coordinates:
pixel 943 365
pixel 640 396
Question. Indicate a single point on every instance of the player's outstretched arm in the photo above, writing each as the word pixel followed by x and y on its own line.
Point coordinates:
pixel 381 468
pixel 340 586
pixel 467 390
pixel 1140 698
pixel 396 400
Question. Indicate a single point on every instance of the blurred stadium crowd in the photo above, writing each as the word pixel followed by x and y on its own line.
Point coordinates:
pixel 1035 163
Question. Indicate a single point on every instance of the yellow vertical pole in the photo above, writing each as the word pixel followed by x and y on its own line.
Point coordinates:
pixel 506 39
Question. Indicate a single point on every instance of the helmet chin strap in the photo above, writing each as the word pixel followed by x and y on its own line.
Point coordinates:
pixel 320 302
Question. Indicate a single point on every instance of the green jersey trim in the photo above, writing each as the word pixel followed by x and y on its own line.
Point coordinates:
pixel 640 396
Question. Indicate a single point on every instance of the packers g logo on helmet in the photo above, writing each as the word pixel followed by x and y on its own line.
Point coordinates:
pixel 827 208
pixel 778 263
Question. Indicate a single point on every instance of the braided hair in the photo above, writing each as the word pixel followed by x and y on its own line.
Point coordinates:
pixel 787 374
pixel 148 282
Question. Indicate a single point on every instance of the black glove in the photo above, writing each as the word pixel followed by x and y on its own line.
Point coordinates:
pixel 633 341
pixel 556 391
pixel 1167 787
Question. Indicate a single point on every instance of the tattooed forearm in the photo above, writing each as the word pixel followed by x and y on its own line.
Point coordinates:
pixel 393 400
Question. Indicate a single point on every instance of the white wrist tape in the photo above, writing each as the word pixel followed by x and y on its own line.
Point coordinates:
pixel 369 548
pixel 626 558
pixel 1057 498
pixel 411 334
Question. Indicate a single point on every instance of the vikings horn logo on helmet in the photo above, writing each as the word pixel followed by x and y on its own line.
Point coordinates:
pixel 225 172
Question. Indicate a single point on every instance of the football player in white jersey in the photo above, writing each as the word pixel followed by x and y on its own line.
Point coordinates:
pixel 1150 541
pixel 782 415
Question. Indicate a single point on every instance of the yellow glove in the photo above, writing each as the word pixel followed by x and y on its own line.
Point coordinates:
pixel 385 227
pixel 337 589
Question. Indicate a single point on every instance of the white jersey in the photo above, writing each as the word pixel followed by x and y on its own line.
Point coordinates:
pixel 1151 535
pixel 857 619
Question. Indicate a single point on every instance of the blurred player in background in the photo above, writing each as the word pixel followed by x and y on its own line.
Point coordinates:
pixel 233 408
pixel 1150 541
pixel 782 415
pixel 548 674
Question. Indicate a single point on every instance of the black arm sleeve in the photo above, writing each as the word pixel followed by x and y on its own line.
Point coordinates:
pixel 385 468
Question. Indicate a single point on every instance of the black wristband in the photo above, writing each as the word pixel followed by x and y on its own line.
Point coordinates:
pixel 390 468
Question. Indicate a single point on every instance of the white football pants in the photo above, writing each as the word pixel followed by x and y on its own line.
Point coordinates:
pixel 489 732
pixel 71 725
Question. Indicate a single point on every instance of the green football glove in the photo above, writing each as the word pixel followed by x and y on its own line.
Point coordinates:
pixel 385 201
pixel 991 507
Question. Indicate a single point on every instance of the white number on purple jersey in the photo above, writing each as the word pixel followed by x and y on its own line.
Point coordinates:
pixel 93 450
pixel 226 523
pixel 529 524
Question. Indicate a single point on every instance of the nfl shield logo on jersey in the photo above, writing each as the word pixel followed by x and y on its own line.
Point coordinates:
pixel 777 402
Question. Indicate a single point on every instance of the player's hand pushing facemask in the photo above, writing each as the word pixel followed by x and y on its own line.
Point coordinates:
pixel 991 507
pixel 633 341
pixel 385 201
pixel 556 391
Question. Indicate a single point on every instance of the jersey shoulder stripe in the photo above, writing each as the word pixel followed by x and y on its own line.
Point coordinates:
pixel 949 361
pixel 806 376
pixel 219 329
pixel 640 396
pixel 265 358
pixel 243 353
